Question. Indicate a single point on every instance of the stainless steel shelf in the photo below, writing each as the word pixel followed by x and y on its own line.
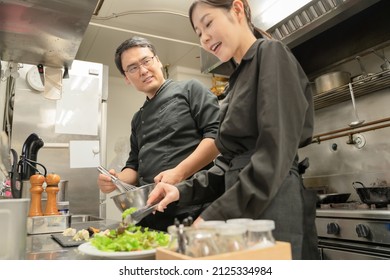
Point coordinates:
pixel 362 87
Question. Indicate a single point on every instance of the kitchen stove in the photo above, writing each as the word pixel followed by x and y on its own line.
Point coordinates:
pixel 353 231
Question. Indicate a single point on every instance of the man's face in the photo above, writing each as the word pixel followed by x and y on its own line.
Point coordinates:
pixel 143 70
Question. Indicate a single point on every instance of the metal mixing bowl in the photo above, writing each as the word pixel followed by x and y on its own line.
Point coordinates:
pixel 133 198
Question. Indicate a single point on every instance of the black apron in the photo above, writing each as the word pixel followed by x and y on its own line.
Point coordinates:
pixel 303 237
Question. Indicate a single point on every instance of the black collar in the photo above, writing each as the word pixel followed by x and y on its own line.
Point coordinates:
pixel 160 89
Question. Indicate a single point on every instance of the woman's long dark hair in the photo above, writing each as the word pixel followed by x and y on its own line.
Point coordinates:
pixel 227 5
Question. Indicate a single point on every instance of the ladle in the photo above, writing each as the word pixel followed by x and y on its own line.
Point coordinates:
pixel 357 122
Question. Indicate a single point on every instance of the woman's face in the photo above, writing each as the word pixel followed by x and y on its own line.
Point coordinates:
pixel 217 29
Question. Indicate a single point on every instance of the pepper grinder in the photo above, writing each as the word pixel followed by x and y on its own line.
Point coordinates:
pixel 52 189
pixel 36 190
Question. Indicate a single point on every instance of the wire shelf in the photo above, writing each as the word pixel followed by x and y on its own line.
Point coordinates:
pixel 362 87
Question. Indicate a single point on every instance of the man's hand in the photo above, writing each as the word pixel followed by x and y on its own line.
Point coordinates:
pixel 104 182
pixel 169 176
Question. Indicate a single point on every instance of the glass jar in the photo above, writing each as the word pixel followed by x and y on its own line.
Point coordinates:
pixel 201 243
pixel 174 242
pixel 260 234
pixel 231 237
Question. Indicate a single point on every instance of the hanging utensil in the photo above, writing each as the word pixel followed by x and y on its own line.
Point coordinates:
pixel 5 161
pixel 364 76
pixel 385 66
pixel 120 185
pixel 16 178
pixel 357 122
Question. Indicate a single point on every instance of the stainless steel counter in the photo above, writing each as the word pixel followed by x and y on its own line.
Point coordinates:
pixel 43 247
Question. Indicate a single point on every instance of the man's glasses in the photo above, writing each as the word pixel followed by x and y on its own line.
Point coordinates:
pixel 146 62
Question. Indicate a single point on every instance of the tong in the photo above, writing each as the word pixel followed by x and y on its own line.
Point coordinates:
pixel 181 240
pixel 138 215
pixel 120 185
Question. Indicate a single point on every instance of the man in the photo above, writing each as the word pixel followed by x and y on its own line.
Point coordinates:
pixel 172 135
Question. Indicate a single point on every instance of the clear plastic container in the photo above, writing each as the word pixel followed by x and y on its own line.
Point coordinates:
pixel 260 234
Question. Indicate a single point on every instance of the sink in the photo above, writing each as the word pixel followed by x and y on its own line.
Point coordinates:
pixel 84 218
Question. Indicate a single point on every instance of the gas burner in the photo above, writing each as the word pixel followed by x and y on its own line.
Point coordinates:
pixel 346 205
pixel 379 206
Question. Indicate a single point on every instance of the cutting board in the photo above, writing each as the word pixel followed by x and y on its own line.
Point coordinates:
pixel 66 241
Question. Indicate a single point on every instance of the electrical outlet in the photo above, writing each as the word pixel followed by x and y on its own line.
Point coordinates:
pixel 359 141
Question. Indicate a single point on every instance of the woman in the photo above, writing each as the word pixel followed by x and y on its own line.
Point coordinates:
pixel 266 117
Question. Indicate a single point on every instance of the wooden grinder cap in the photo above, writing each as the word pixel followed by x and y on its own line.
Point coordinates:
pixel 52 180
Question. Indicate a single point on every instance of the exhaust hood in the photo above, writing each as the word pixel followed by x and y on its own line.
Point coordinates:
pixel 306 22
pixel 47 32
pixel 314 18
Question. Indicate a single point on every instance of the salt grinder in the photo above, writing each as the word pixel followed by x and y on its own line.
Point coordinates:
pixel 36 190
pixel 52 189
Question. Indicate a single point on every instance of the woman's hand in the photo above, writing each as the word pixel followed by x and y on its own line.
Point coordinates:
pixel 166 193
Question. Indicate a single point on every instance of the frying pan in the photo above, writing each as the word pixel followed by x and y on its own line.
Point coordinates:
pixel 332 198
pixel 378 195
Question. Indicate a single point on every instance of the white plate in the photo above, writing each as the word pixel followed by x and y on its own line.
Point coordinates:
pixel 88 249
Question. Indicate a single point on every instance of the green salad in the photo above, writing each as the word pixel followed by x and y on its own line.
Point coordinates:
pixel 128 211
pixel 131 238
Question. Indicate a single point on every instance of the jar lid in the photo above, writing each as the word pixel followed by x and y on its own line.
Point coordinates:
pixel 261 225
pixel 210 224
pixel 239 221
pixel 231 229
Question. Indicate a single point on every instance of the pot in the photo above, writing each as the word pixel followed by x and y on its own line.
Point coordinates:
pixel 332 198
pixel 377 195
pixel 331 81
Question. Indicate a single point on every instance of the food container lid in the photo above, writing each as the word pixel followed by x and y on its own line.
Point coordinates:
pixel 261 225
pixel 210 224
pixel 231 229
